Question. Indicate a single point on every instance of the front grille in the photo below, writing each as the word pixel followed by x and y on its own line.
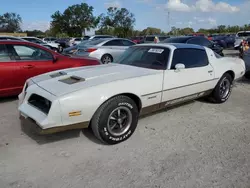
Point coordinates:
pixel 40 103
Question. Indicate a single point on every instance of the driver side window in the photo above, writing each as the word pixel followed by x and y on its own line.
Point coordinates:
pixel 191 58
pixel 23 52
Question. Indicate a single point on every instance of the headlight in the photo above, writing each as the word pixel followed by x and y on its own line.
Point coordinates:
pixel 29 82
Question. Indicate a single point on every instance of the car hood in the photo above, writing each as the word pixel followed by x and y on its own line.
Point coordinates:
pixel 67 81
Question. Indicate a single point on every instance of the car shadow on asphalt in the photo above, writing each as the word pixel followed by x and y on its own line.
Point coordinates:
pixel 243 81
pixel 8 99
pixel 29 130
pixel 88 133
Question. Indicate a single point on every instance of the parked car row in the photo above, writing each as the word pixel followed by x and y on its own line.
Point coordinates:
pixel 109 49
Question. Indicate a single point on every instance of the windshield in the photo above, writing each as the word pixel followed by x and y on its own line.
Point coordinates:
pixel 96 42
pixel 151 57
pixel 162 38
pixel 83 43
pixel 34 40
pixel 176 40
pixel 243 34
pixel 149 38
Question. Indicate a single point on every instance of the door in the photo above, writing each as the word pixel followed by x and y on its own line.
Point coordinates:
pixel 7 72
pixel 30 61
pixel 197 76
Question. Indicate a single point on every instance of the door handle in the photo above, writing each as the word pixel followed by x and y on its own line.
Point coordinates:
pixel 28 66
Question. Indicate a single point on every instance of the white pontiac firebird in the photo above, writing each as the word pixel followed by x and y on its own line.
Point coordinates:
pixel 109 98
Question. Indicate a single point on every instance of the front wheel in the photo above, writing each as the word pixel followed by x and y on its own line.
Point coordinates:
pixel 116 120
pixel 223 89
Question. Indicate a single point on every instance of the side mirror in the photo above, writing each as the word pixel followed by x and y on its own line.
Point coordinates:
pixel 179 66
pixel 54 59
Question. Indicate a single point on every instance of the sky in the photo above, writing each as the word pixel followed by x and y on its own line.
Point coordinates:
pixel 163 14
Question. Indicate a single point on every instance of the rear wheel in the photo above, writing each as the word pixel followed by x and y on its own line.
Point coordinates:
pixel 106 58
pixel 223 89
pixel 116 120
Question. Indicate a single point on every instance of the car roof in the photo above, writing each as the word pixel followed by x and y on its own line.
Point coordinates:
pixel 23 42
pixel 30 37
pixel 174 45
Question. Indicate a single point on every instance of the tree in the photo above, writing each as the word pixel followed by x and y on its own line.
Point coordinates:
pixel 121 21
pixel 74 21
pixel 151 31
pixel 34 33
pixel 10 22
pixel 186 31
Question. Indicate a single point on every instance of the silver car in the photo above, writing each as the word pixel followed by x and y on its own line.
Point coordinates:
pixel 106 50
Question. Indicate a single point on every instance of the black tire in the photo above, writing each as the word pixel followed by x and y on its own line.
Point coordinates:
pixel 105 58
pixel 101 120
pixel 217 95
pixel 247 75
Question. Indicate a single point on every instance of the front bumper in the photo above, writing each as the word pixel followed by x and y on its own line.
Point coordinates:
pixel 45 123
pixel 30 124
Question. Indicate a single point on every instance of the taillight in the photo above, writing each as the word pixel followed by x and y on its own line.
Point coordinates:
pixel 90 50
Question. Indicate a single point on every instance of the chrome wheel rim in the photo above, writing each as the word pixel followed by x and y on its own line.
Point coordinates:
pixel 225 86
pixel 119 121
pixel 106 59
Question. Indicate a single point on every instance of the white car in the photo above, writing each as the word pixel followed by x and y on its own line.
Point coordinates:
pixel 52 46
pixel 240 36
pixel 51 42
pixel 75 41
pixel 109 98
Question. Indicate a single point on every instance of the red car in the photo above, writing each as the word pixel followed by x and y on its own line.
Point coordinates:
pixel 21 60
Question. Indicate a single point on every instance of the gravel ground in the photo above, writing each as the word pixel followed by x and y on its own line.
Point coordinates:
pixel 194 145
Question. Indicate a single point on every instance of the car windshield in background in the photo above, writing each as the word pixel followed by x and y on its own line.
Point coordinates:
pixel 96 42
pixel 86 37
pixel 146 57
pixel 219 37
pixel 150 39
pixel 175 40
pixel 83 43
pixel 244 34
pixel 162 38
pixel 136 38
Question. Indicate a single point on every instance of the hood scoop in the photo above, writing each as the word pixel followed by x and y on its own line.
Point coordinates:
pixel 61 73
pixel 72 80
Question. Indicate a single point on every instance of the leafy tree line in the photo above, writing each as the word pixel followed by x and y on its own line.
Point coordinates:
pixel 10 22
pixel 75 20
